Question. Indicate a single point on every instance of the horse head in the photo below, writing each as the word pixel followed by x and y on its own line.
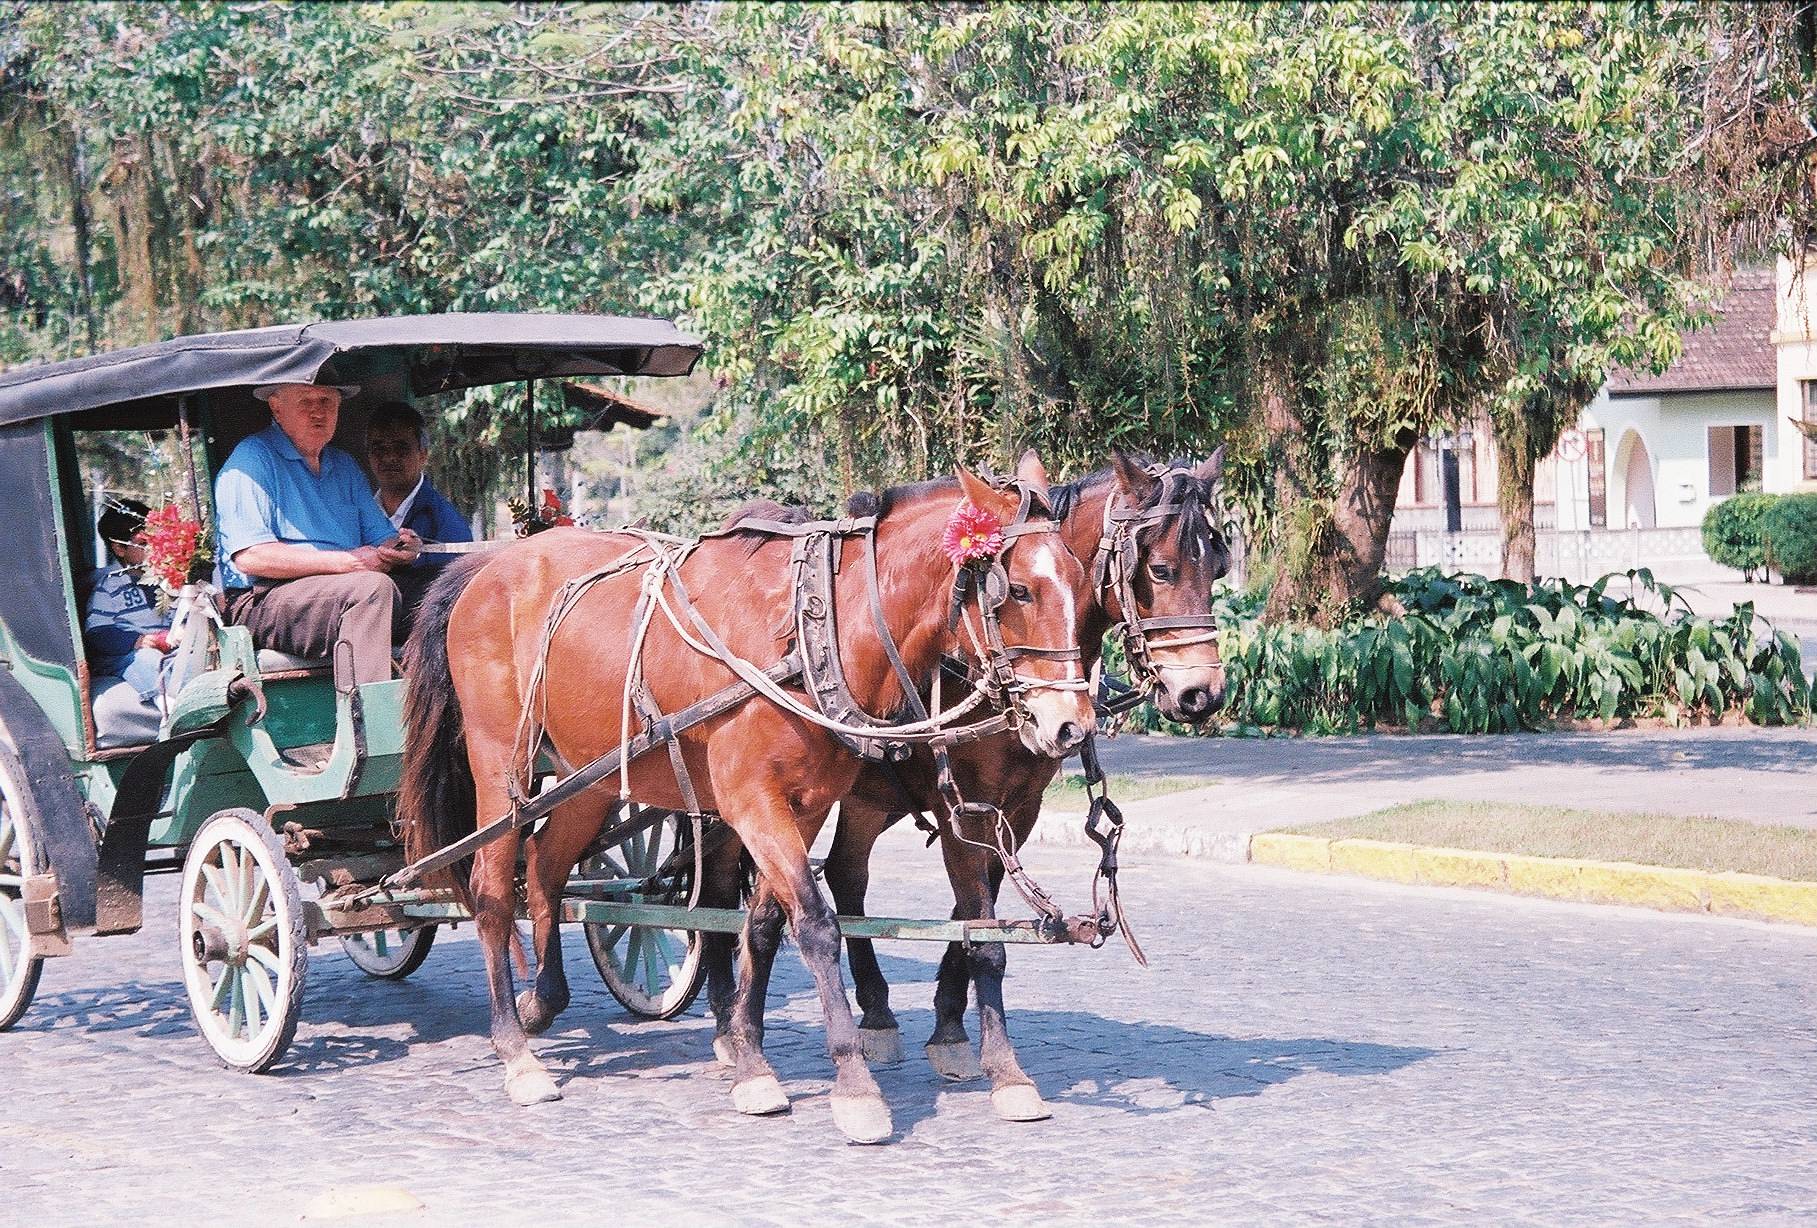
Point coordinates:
pixel 1021 613
pixel 1156 579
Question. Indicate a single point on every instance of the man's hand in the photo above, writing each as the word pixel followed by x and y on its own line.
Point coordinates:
pixel 403 551
pixel 154 639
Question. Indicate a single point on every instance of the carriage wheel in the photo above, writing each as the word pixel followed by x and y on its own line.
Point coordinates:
pixel 654 973
pixel 243 940
pixel 19 968
pixel 390 955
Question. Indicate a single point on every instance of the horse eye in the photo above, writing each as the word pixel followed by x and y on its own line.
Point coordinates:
pixel 1160 571
pixel 1020 593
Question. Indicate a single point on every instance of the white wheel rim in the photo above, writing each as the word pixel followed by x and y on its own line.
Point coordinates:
pixel 652 967
pixel 16 961
pixel 239 997
pixel 382 951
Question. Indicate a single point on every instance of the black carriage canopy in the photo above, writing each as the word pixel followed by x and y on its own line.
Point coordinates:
pixel 392 358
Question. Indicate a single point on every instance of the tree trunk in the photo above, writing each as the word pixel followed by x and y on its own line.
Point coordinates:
pixel 1329 549
pixel 1516 464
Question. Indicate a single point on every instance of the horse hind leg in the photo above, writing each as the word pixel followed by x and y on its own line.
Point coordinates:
pixel 495 917
pixel 551 856
pixel 848 874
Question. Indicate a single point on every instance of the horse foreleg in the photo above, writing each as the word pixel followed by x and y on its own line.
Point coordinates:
pixel 848 874
pixel 755 1089
pixel 494 893
pixel 782 860
pixel 719 889
pixel 974 875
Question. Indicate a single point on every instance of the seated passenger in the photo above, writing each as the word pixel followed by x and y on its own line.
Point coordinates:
pixel 397 448
pixel 305 553
pixel 125 634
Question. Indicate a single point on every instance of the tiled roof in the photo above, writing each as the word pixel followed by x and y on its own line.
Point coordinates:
pixel 1736 352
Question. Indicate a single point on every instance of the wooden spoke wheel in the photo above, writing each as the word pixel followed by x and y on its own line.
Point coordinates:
pixel 244 944
pixel 19 968
pixel 390 955
pixel 654 973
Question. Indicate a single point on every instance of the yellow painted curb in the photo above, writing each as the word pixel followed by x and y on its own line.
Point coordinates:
pixel 1667 888
pixel 1374 859
pixel 1275 848
pixel 1772 899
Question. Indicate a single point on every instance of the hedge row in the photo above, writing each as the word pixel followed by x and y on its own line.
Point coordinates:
pixel 1473 655
pixel 1751 532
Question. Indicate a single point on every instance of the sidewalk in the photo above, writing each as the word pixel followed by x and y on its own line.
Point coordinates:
pixel 1747 774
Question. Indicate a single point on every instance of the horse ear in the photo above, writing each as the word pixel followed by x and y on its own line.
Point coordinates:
pixel 985 496
pixel 1030 469
pixel 1132 475
pixel 1211 469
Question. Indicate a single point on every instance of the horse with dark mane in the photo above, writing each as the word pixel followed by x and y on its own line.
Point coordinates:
pixel 558 635
pixel 1173 554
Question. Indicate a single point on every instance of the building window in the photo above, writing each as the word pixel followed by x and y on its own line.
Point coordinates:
pixel 1810 415
pixel 1736 459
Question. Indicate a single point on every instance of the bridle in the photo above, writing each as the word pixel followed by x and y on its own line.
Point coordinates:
pixel 988 582
pixel 1114 573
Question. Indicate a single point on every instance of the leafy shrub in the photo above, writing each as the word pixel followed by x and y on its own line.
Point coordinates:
pixel 1475 655
pixel 1791 532
pixel 1734 532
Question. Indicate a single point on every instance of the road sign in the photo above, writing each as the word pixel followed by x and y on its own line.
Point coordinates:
pixel 1571 445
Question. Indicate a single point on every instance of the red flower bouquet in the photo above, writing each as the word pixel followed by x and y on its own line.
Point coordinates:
pixel 971 534
pixel 174 550
pixel 549 514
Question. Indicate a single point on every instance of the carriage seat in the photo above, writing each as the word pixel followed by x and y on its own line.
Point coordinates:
pixel 121 717
pixel 271 661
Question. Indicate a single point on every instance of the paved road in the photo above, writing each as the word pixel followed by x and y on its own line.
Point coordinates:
pixel 1303 1051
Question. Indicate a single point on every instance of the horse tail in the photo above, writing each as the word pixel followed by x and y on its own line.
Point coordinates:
pixel 436 804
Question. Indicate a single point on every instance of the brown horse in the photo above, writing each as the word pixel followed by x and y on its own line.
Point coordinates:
pixel 474 656
pixel 1178 553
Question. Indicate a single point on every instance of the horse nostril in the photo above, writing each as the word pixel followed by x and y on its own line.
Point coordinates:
pixel 1195 701
pixel 1070 736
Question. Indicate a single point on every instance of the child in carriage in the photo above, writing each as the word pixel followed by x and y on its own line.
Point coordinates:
pixel 126 635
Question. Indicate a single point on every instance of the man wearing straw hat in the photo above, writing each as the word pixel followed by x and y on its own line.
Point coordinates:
pixel 305 552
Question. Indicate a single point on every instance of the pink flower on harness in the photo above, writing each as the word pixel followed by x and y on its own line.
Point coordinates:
pixel 971 534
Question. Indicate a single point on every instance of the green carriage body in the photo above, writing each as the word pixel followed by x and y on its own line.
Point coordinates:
pixel 251 733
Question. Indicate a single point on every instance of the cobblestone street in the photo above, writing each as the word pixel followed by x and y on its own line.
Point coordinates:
pixel 1303 1050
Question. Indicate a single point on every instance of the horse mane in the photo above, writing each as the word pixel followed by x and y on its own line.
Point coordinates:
pixel 763 509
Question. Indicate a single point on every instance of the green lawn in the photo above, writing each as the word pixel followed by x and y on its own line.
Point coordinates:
pixel 1602 835
pixel 1068 789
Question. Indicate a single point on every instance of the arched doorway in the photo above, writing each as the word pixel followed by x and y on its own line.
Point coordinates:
pixel 1633 482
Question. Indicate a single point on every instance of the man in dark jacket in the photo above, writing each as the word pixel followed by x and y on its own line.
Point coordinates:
pixel 397 449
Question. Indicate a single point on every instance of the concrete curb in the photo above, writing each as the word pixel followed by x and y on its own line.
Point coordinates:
pixel 1067 829
pixel 1558 878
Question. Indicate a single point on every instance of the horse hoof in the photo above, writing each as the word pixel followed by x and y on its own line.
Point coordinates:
pixel 882 1046
pixel 529 1087
pixel 722 1051
pixel 760 1097
pixel 862 1119
pixel 1019 1102
pixel 955 1061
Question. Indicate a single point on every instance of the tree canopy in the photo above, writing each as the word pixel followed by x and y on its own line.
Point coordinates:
pixel 921 234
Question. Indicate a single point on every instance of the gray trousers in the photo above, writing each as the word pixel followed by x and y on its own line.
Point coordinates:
pixel 308 616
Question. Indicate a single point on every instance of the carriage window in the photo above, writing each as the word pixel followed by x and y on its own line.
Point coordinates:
pixel 143 465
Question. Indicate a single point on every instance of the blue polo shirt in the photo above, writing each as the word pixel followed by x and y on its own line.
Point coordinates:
pixel 266 493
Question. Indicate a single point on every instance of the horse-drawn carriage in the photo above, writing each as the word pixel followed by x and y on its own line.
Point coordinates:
pixel 273 791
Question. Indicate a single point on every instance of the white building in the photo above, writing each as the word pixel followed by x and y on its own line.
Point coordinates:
pixel 1651 452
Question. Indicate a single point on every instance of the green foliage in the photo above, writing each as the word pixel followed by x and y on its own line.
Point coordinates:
pixel 1791 533
pixel 1734 532
pixel 1472 655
